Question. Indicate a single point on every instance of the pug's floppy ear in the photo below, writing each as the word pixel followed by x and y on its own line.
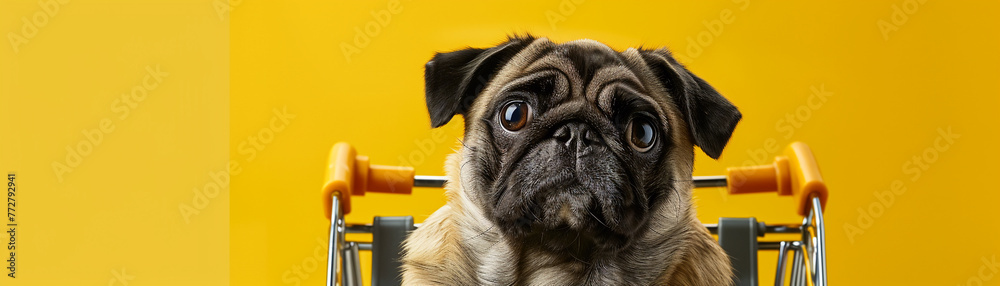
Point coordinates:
pixel 453 80
pixel 711 117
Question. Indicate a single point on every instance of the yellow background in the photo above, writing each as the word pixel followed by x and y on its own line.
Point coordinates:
pixel 115 219
pixel 119 209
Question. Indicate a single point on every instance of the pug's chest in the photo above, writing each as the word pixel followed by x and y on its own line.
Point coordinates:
pixel 502 265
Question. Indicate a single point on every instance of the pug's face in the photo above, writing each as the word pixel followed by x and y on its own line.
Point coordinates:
pixel 573 146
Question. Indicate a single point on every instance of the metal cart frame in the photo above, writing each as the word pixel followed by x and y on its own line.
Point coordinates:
pixel 795 173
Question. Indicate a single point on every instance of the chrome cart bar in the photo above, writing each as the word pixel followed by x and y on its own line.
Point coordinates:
pixel 761 245
pixel 336 238
pixel 439 181
pixel 820 267
pixel 351 264
pixel 765 228
pixel 429 181
pixel 709 181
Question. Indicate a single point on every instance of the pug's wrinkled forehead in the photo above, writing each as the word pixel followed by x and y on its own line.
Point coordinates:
pixel 468 81
pixel 575 71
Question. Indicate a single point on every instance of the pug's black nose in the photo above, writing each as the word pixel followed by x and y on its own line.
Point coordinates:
pixel 578 135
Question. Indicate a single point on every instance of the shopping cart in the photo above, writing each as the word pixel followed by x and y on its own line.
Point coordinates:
pixel 794 173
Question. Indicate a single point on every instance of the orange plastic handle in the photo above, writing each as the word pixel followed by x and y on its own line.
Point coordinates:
pixel 793 174
pixel 350 174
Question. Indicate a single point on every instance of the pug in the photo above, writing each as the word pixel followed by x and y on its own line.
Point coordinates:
pixel 575 168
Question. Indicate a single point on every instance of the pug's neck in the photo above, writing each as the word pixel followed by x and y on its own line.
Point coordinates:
pixel 650 258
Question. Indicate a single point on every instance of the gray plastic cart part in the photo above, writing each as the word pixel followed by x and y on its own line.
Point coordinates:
pixel 388 234
pixel 738 237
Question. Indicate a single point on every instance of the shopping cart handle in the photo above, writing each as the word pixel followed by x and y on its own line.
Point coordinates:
pixel 350 174
pixel 793 174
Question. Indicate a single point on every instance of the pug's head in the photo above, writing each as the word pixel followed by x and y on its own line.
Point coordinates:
pixel 577 146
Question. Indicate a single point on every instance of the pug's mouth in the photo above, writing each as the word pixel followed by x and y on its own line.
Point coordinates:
pixel 572 222
pixel 568 205
pixel 564 215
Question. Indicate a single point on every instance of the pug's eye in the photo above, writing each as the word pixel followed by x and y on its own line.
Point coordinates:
pixel 640 133
pixel 515 115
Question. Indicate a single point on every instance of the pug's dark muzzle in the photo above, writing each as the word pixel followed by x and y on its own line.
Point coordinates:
pixel 570 189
